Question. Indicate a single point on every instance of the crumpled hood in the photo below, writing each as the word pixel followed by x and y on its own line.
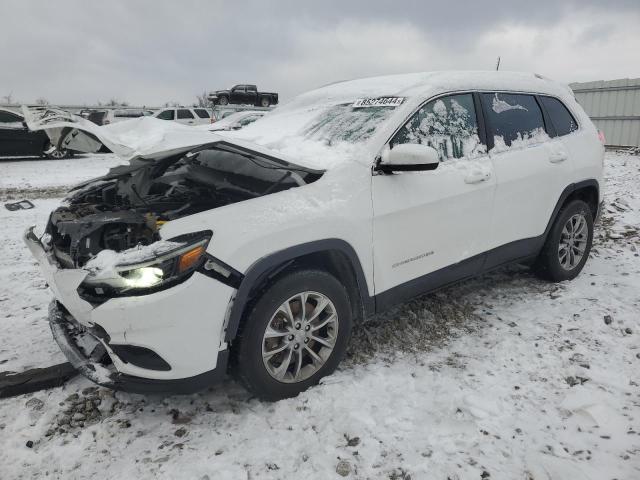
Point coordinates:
pixel 145 137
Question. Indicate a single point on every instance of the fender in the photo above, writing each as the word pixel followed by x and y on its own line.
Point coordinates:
pixel 274 262
pixel 563 197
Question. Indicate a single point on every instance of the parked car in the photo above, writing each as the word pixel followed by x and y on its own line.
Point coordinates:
pixel 17 140
pixel 109 115
pixel 236 121
pixel 244 94
pixel 212 247
pixel 185 115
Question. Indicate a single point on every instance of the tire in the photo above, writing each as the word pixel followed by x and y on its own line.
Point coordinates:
pixel 58 154
pixel 558 263
pixel 265 102
pixel 223 100
pixel 263 376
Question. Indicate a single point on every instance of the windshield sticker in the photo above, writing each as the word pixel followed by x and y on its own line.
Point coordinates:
pixel 378 102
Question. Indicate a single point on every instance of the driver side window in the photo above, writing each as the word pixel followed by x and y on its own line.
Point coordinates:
pixel 447 124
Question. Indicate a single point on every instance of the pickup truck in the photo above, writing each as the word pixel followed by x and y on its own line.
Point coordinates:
pixel 244 94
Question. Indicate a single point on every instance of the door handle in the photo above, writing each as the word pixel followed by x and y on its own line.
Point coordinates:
pixel 477 177
pixel 557 157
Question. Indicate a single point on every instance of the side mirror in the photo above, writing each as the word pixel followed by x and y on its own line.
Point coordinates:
pixel 409 157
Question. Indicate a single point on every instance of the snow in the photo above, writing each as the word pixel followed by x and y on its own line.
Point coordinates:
pixel 535 137
pixel 106 260
pixel 498 105
pixel 504 374
pixel 318 117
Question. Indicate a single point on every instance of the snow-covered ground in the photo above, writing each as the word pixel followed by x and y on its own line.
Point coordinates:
pixel 502 377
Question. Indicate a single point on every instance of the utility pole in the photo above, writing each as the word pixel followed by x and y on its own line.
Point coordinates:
pixel 498 64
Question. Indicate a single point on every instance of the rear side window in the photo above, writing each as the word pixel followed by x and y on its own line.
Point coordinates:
pixel 513 118
pixel 166 115
pixel 202 113
pixel 447 124
pixel 184 113
pixel 561 118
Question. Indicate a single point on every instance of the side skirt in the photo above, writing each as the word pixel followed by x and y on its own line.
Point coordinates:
pixel 514 252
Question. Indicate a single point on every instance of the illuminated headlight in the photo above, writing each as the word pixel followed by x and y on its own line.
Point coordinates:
pixel 160 269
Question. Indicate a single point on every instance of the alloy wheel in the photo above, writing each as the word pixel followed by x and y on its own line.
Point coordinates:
pixel 300 337
pixel 573 241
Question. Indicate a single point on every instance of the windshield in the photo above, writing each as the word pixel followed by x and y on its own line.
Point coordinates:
pixel 345 123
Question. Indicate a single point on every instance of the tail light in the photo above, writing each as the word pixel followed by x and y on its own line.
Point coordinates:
pixel 601 137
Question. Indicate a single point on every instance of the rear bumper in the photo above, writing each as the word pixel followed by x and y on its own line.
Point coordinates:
pixel 90 365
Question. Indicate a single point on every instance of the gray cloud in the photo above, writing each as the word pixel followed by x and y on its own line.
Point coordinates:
pixel 149 52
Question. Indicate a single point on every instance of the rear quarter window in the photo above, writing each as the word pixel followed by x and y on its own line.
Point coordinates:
pixel 562 120
pixel 513 117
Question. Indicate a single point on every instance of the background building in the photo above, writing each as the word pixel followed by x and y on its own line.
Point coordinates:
pixel 614 106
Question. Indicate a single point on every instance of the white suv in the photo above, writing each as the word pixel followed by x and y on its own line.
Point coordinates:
pixel 185 115
pixel 267 245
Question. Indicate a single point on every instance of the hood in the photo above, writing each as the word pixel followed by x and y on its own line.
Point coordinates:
pixel 144 137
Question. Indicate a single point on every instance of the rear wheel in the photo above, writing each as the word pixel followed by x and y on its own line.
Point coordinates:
pixel 265 102
pixel 295 334
pixel 568 244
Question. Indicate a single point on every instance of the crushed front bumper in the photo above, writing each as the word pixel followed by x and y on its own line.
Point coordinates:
pixel 65 332
pixel 181 327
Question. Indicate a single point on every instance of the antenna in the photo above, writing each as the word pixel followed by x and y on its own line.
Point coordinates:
pixel 498 64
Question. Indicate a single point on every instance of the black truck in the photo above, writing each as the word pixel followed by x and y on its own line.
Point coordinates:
pixel 244 95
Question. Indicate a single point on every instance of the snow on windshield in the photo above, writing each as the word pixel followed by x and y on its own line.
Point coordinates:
pixel 346 123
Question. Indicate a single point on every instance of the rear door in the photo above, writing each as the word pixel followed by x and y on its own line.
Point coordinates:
pixel 185 116
pixel 531 170
pixel 202 116
pixel 432 227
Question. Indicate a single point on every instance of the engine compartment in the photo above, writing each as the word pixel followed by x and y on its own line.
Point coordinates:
pixel 129 205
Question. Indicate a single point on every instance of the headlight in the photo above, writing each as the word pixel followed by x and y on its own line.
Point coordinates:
pixel 148 269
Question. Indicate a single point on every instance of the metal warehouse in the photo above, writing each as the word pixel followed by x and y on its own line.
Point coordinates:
pixel 614 106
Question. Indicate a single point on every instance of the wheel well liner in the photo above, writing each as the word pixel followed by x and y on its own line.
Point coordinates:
pixel 334 255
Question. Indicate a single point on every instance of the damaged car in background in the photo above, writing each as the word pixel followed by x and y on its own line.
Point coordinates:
pixel 255 251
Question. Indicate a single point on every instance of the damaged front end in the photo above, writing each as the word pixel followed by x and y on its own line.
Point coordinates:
pixel 121 287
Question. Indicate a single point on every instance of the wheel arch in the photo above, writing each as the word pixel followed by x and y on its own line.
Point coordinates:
pixel 585 190
pixel 335 256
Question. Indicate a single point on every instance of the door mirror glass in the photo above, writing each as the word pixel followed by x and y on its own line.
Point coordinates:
pixel 409 157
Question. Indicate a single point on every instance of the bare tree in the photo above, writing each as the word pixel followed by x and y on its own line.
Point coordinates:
pixel 202 100
pixel 42 101
pixel 8 98
pixel 114 102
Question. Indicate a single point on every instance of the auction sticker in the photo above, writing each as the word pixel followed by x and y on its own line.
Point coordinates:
pixel 378 102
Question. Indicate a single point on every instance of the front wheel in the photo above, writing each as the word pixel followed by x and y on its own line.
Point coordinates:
pixel 295 334
pixel 58 154
pixel 568 244
pixel 265 102
pixel 223 101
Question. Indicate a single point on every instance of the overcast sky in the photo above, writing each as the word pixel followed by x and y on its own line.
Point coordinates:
pixel 150 52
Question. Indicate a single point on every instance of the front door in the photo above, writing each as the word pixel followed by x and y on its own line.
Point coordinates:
pixel 432 227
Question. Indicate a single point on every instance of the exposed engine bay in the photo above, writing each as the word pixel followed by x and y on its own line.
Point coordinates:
pixel 128 206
